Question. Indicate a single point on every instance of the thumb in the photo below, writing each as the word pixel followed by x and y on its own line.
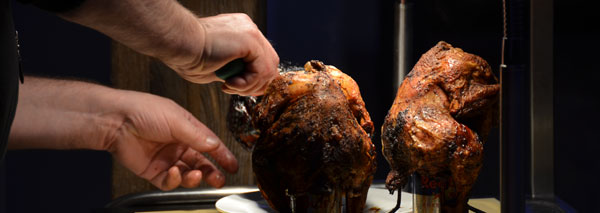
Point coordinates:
pixel 190 131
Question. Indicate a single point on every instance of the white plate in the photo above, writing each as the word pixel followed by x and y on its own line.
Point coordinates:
pixel 378 200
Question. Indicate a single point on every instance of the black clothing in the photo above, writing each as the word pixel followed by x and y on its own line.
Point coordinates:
pixel 9 74
pixel 56 6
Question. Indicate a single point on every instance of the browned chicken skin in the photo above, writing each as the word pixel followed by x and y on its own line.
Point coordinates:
pixel 442 112
pixel 311 138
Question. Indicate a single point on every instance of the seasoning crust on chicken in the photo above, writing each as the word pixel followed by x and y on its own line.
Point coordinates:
pixel 443 111
pixel 311 142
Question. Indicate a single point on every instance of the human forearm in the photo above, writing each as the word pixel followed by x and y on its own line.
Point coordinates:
pixel 194 47
pixel 152 136
pixel 159 28
pixel 62 114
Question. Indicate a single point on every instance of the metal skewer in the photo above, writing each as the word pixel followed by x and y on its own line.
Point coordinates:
pixel 398 202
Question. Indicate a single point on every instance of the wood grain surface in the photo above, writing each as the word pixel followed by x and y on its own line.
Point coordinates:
pixel 133 71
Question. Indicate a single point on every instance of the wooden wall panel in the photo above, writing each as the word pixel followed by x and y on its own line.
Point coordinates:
pixel 133 71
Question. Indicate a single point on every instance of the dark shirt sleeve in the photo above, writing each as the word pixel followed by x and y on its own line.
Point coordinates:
pixel 56 6
pixel 9 74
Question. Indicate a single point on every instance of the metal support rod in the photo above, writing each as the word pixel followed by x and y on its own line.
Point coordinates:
pixel 398 202
pixel 514 101
pixel 542 100
pixel 292 201
pixel 402 33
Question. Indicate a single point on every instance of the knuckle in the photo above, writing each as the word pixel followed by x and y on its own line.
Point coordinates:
pixel 253 31
pixel 243 16
pixel 276 60
pixel 170 102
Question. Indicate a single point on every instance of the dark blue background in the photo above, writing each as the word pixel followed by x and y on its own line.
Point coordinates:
pixel 355 36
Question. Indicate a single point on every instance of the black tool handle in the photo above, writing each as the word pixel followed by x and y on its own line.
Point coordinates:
pixel 231 69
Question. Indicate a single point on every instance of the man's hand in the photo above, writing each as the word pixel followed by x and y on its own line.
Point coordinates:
pixel 194 47
pixel 163 143
pixel 150 135
pixel 228 37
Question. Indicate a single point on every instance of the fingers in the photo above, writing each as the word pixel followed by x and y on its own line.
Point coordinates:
pixel 221 154
pixel 225 158
pixel 193 133
pixel 211 174
pixel 191 165
pixel 189 173
pixel 198 79
pixel 249 83
pixel 245 82
pixel 167 180
pixel 260 70
pixel 177 175
pixel 256 92
pixel 191 179
pixel 221 39
pixel 243 40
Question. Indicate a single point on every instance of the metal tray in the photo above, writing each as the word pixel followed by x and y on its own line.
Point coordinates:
pixel 179 199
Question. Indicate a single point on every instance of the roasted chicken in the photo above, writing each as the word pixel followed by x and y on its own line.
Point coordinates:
pixel 438 122
pixel 310 136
